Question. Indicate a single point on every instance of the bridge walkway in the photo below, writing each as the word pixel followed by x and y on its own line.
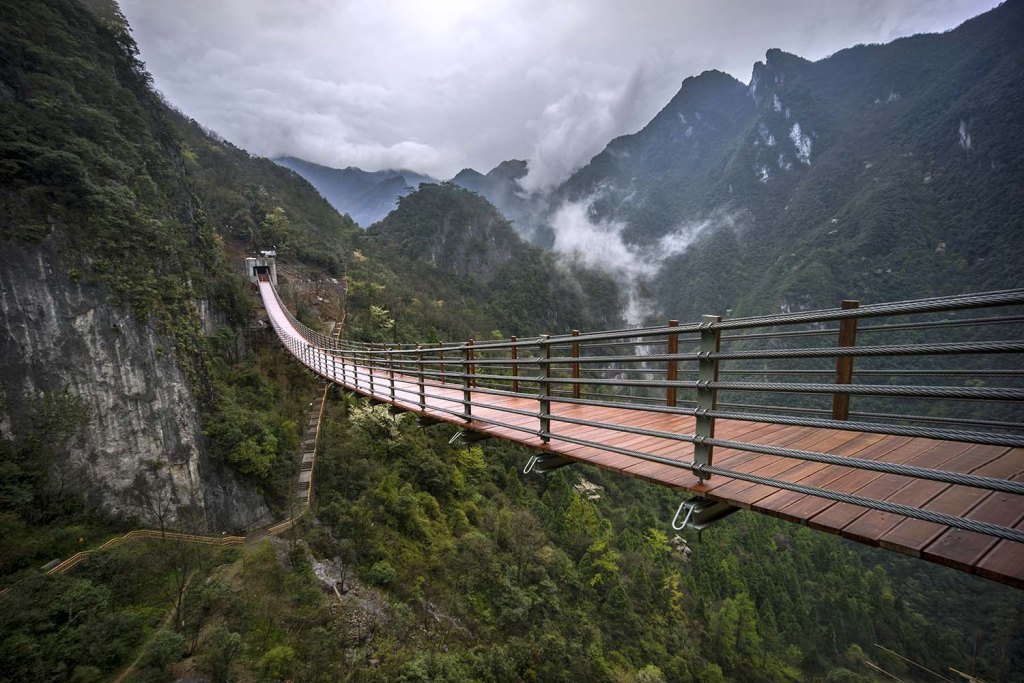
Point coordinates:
pixel 956 501
pixel 968 551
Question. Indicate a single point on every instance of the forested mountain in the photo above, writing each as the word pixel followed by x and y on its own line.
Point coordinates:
pixel 881 172
pixel 500 186
pixel 462 237
pixel 127 222
pixel 138 388
pixel 366 196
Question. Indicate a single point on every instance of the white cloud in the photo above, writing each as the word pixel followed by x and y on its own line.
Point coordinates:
pixel 596 242
pixel 578 126
pixel 440 85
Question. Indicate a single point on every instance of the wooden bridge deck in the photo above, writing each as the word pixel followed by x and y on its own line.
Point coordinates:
pixel 971 552
pixel 993 558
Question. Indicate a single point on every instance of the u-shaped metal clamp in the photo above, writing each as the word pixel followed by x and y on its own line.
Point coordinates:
pixel 686 520
pixel 530 463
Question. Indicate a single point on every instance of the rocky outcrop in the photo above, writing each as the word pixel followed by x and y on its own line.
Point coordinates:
pixel 141 453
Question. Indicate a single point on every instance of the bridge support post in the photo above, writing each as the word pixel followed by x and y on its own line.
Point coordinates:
pixel 672 372
pixel 467 394
pixel 515 365
pixel 391 372
pixel 440 359
pixel 420 378
pixel 707 395
pixel 371 361
pixel 545 388
pixel 575 365
pixel 844 364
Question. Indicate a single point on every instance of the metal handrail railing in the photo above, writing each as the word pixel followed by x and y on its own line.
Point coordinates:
pixel 963 401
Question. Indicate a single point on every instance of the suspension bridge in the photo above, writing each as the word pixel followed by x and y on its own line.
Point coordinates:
pixel 752 413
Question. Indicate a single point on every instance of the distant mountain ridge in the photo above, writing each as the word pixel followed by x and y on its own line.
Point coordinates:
pixel 881 172
pixel 501 187
pixel 366 196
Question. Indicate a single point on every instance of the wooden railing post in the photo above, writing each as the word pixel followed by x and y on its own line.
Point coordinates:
pixel 391 371
pixel 440 359
pixel 672 372
pixel 420 377
pixel 472 366
pixel 515 365
pixel 844 364
pixel 575 366
pixel 545 388
pixel 467 394
pixel 370 364
pixel 707 396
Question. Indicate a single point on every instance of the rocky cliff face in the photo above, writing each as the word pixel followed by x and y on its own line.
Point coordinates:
pixel 141 453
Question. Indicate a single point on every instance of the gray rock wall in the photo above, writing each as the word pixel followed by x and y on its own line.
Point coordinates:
pixel 141 453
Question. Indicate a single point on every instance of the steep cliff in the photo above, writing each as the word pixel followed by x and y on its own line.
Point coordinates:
pixel 104 252
pixel 141 452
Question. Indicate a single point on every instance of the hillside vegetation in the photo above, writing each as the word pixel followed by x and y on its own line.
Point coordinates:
pixel 453 565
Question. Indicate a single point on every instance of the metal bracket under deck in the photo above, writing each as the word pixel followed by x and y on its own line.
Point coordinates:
pixel 467 437
pixel 700 513
pixel 545 463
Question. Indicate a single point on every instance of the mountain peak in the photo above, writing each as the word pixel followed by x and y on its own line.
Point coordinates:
pixel 512 169
pixel 707 80
pixel 777 67
pixel 467 174
pixel 780 59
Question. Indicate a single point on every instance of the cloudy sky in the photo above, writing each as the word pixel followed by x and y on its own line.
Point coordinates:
pixel 439 85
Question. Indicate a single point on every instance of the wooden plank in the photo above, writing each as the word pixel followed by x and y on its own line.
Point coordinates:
pixel 733 459
pixel 834 516
pixel 747 493
pixel 965 549
pixel 871 525
pixel 864 446
pixel 741 461
pixel 1004 562
pixel 913 535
